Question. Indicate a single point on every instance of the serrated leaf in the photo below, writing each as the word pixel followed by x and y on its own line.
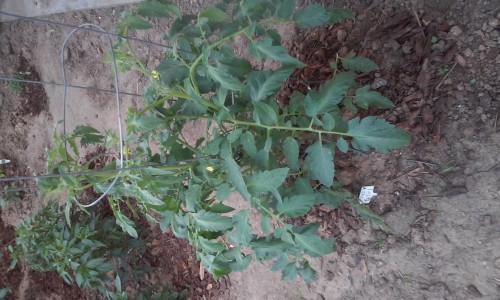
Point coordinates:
pixel 359 64
pixel 137 23
pixel 311 16
pixel 172 71
pixel 147 197
pixel 280 263
pixel 208 221
pixel 88 135
pixel 342 145
pixel 285 9
pixel 339 14
pixel 234 66
pixel 126 224
pixel 223 192
pixel 266 248
pixel 192 197
pixel 137 123
pixel 313 245
pixel 306 272
pixel 166 219
pixel 242 234
pixel 155 8
pixel 365 98
pixel 234 172
pixel 319 162
pixel 291 152
pixel 226 80
pixel 264 113
pixel 210 246
pixel 375 133
pixel 289 272
pixel 368 215
pixel 267 181
pixel 296 206
pixel 248 142
pixel 265 83
pixel 264 49
pixel 331 198
pixel 234 135
pixel 329 95
pixel 214 14
pixel 264 224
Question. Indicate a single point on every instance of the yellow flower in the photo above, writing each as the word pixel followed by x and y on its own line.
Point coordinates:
pixel 210 169
pixel 127 151
pixel 155 74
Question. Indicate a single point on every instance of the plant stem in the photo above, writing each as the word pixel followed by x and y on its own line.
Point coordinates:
pixel 271 127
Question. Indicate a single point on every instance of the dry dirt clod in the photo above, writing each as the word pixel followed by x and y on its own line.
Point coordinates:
pixel 468 52
pixel 378 83
pixel 456 30
pixel 341 34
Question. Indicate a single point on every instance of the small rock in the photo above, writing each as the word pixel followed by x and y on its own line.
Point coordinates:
pixel 496 264
pixel 378 83
pixel 341 34
pixel 493 22
pixel 494 34
pixel 427 114
pixel 209 287
pixel 482 47
pixel 376 45
pixel 460 60
pixel 407 47
pixel 391 239
pixel 490 43
pixel 468 52
pixel 484 117
pixel 482 56
pixel 456 30
pixel 485 101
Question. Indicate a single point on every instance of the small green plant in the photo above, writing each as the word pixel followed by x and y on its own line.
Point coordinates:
pixel 278 156
pixel 441 71
pixel 83 253
pixel 18 86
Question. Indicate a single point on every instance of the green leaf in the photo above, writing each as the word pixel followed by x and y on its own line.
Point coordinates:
pixel 375 133
pixel 313 245
pixel 264 224
pixel 137 23
pixel 368 215
pixel 329 95
pixel 155 8
pixel 234 135
pixel 285 9
pixel 88 135
pixel 226 80
pixel 265 83
pixel 220 208
pixel 280 263
pixel 234 66
pixel 365 98
pixel 306 272
pixel 210 246
pixel 223 192
pixel 296 206
pixel 233 170
pixel 208 221
pixel 264 48
pixel 359 64
pixel 266 248
pixel 319 161
pixel 3 292
pixel 342 145
pixel 193 197
pixel 248 142
pixel 137 123
pixel 328 122
pixel 214 14
pixel 289 272
pixel 291 151
pixel 242 233
pixel 267 181
pixel 264 113
pixel 311 16
pixel 147 197
pixel 172 71
pixel 126 224
pixel 339 14
pixel 166 219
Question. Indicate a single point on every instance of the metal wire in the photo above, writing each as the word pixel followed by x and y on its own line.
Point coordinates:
pixel 117 93
pixel 68 85
pixel 89 29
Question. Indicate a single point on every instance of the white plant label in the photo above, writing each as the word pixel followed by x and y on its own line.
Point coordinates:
pixel 366 194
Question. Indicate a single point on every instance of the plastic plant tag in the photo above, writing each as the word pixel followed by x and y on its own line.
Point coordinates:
pixel 366 194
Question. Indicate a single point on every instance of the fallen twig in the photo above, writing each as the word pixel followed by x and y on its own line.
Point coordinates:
pixel 446 76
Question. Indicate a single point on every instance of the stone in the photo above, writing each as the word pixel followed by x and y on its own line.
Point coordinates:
pixel 456 30
pixel 468 52
pixel 490 43
pixel 2 97
pixel 482 47
pixel 378 83
pixel 341 34
pixel 496 264
pixel 494 34
pixel 493 22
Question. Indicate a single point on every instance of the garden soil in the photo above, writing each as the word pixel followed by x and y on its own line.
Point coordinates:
pixel 440 196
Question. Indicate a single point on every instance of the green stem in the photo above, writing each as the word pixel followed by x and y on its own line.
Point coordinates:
pixel 271 127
